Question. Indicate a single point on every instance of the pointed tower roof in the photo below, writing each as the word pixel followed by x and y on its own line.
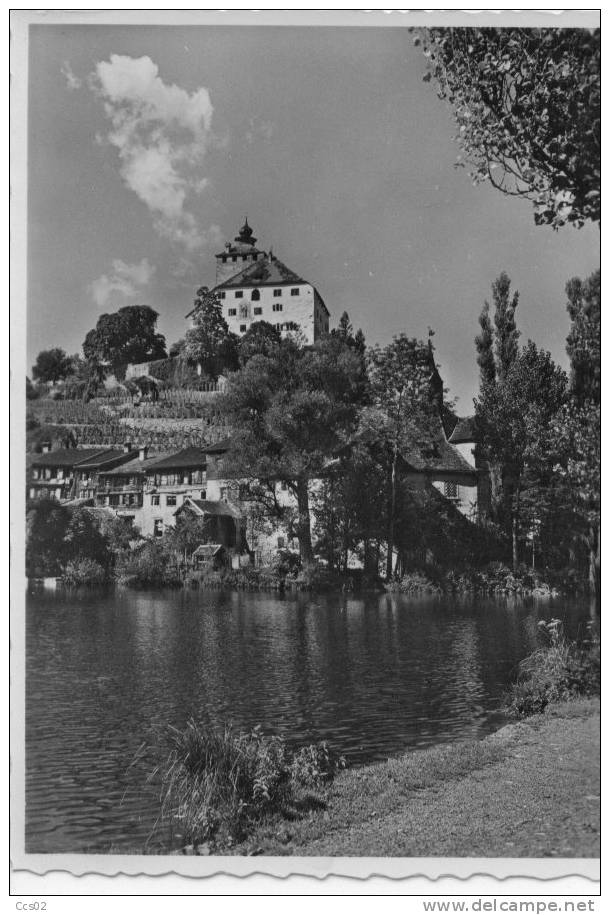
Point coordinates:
pixel 246 235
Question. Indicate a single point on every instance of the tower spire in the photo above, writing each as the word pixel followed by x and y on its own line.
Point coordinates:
pixel 246 235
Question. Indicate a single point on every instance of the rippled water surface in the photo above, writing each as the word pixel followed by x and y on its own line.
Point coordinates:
pixel 107 674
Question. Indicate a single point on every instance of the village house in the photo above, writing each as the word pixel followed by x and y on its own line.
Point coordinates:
pixel 87 472
pixel 169 481
pixel 254 285
pixel 465 438
pixel 52 474
pixel 122 488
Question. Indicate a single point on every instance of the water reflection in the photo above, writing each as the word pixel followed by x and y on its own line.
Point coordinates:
pixel 374 676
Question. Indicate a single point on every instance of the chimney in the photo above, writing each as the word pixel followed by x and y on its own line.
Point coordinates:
pixel 46 447
pixel 143 452
pixel 126 447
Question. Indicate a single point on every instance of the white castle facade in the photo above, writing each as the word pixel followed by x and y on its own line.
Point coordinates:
pixel 253 285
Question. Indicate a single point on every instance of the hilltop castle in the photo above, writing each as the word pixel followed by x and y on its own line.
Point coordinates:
pixel 253 285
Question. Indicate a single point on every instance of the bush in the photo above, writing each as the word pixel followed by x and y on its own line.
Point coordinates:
pixel 84 572
pixel 217 784
pixel 556 672
pixel 152 565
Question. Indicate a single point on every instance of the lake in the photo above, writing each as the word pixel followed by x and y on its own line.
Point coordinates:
pixel 374 676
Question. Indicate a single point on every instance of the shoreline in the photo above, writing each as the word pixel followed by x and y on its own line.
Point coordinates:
pixel 529 789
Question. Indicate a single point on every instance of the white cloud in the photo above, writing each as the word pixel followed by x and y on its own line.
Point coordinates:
pixel 126 280
pixel 72 81
pixel 162 133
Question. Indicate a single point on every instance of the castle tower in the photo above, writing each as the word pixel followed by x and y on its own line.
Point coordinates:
pixel 237 256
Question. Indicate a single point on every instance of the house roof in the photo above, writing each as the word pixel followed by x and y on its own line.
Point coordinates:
pixel 208 549
pixel 465 431
pixel 318 298
pixel 188 457
pixel 206 507
pixel 434 455
pixel 266 272
pixel 429 453
pixel 100 458
pixel 218 447
pixel 137 466
pixel 65 457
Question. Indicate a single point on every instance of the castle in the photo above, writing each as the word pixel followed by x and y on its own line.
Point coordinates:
pixel 254 285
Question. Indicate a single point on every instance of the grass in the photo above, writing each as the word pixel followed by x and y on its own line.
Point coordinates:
pixel 529 790
pixel 218 784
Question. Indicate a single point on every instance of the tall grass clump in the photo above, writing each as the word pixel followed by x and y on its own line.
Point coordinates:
pixel 216 784
pixel 557 671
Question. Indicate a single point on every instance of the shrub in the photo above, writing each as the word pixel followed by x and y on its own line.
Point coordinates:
pixel 558 671
pixel 84 572
pixel 315 764
pixel 148 567
pixel 217 784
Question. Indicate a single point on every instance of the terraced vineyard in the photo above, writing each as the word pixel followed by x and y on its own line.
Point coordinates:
pixel 177 420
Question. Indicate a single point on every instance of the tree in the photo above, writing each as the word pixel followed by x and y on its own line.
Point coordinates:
pixel 515 414
pixel 289 411
pixel 527 106
pixel 497 346
pixel 188 532
pixel 52 365
pixel 345 331
pixel 261 338
pixel 584 339
pixel 403 381
pixel 126 336
pixel 209 342
pixel 84 539
pixel 46 524
pixel 176 348
pixel 577 439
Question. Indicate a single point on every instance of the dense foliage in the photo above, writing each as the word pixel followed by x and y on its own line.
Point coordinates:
pixel 52 365
pixel 289 411
pixel 557 671
pixel 209 341
pixel 217 784
pixel 57 537
pixel 527 106
pixel 126 336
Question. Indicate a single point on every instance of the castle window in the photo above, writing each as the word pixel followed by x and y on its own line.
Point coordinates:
pixel 277 306
pixel 232 312
pixel 295 292
pixel 239 294
pixel 258 311
pixel 256 294
pixel 242 328
pixel 221 295
pixel 234 258
pixel 170 500
pixel 155 500
pixel 224 258
pixel 244 257
pixel 277 293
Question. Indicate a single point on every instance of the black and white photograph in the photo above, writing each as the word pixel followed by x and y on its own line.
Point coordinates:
pixel 306 367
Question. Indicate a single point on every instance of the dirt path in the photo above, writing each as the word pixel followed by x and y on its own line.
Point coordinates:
pixel 529 790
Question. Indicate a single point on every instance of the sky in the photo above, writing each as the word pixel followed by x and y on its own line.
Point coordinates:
pixel 149 146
